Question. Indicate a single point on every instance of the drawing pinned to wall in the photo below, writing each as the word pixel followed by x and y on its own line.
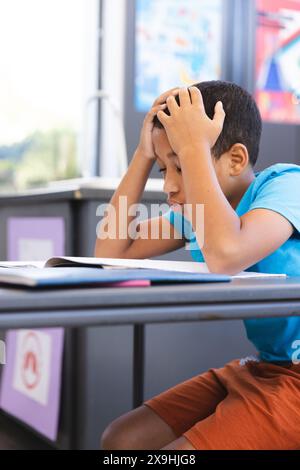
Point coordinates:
pixel 31 381
pixel 178 42
pixel 278 60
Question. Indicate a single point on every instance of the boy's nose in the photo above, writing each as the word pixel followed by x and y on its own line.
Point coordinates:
pixel 170 186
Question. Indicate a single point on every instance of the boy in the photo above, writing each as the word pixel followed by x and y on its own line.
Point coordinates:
pixel 206 142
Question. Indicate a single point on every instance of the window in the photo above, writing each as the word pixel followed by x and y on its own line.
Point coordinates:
pixel 48 61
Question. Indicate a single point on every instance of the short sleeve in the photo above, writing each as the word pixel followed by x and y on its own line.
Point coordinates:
pixel 185 229
pixel 281 194
pixel 181 224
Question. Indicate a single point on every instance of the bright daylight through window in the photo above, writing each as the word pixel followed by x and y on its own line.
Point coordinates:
pixel 42 90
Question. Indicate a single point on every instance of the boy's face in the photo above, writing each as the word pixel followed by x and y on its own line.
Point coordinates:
pixel 169 166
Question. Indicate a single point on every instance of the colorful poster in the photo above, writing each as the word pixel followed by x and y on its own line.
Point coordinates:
pixel 31 379
pixel 178 42
pixel 278 60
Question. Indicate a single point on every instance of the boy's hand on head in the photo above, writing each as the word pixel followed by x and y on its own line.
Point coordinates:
pixel 188 127
pixel 145 146
pixel 163 97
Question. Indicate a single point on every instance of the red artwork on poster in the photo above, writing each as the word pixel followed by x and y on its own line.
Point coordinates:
pixel 278 60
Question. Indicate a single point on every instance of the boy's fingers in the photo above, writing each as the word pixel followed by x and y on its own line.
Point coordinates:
pixel 184 97
pixel 157 108
pixel 196 96
pixel 162 98
pixel 220 115
pixel 153 112
pixel 172 104
pixel 163 117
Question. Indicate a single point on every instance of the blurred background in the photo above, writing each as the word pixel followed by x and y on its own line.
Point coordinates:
pixel 56 54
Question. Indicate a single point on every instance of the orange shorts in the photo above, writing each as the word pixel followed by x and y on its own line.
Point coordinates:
pixel 246 405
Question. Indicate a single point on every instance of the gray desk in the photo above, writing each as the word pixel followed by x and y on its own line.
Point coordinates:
pixel 84 307
pixel 238 299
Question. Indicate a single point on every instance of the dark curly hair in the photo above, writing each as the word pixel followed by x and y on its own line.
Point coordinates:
pixel 243 123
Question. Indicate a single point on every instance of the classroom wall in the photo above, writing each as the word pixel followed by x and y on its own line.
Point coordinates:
pixel 280 142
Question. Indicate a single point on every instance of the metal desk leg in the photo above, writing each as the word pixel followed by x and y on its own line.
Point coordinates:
pixel 138 364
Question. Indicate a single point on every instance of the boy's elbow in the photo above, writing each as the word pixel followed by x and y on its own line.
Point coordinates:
pixel 223 268
pixel 224 262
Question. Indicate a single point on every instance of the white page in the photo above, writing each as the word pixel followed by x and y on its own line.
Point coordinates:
pixel 22 264
pixel 180 266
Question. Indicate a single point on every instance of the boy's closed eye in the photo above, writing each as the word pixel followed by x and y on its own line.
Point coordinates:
pixel 163 170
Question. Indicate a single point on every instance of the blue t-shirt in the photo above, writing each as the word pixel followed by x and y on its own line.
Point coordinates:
pixel 277 188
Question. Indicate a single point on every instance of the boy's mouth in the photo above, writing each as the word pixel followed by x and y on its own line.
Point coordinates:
pixel 175 206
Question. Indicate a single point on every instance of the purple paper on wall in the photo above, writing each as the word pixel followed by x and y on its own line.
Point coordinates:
pixel 31 379
pixel 35 238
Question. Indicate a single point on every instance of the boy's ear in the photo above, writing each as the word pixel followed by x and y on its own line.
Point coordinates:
pixel 238 159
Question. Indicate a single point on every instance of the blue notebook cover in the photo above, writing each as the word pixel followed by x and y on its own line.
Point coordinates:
pixel 54 277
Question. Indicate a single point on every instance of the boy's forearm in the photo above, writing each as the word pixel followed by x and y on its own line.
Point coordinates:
pixel 221 223
pixel 132 187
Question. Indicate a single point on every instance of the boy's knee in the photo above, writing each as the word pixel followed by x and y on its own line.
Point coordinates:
pixel 118 436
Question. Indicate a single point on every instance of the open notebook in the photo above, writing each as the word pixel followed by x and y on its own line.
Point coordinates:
pixel 112 270
pixel 55 277
pixel 165 265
